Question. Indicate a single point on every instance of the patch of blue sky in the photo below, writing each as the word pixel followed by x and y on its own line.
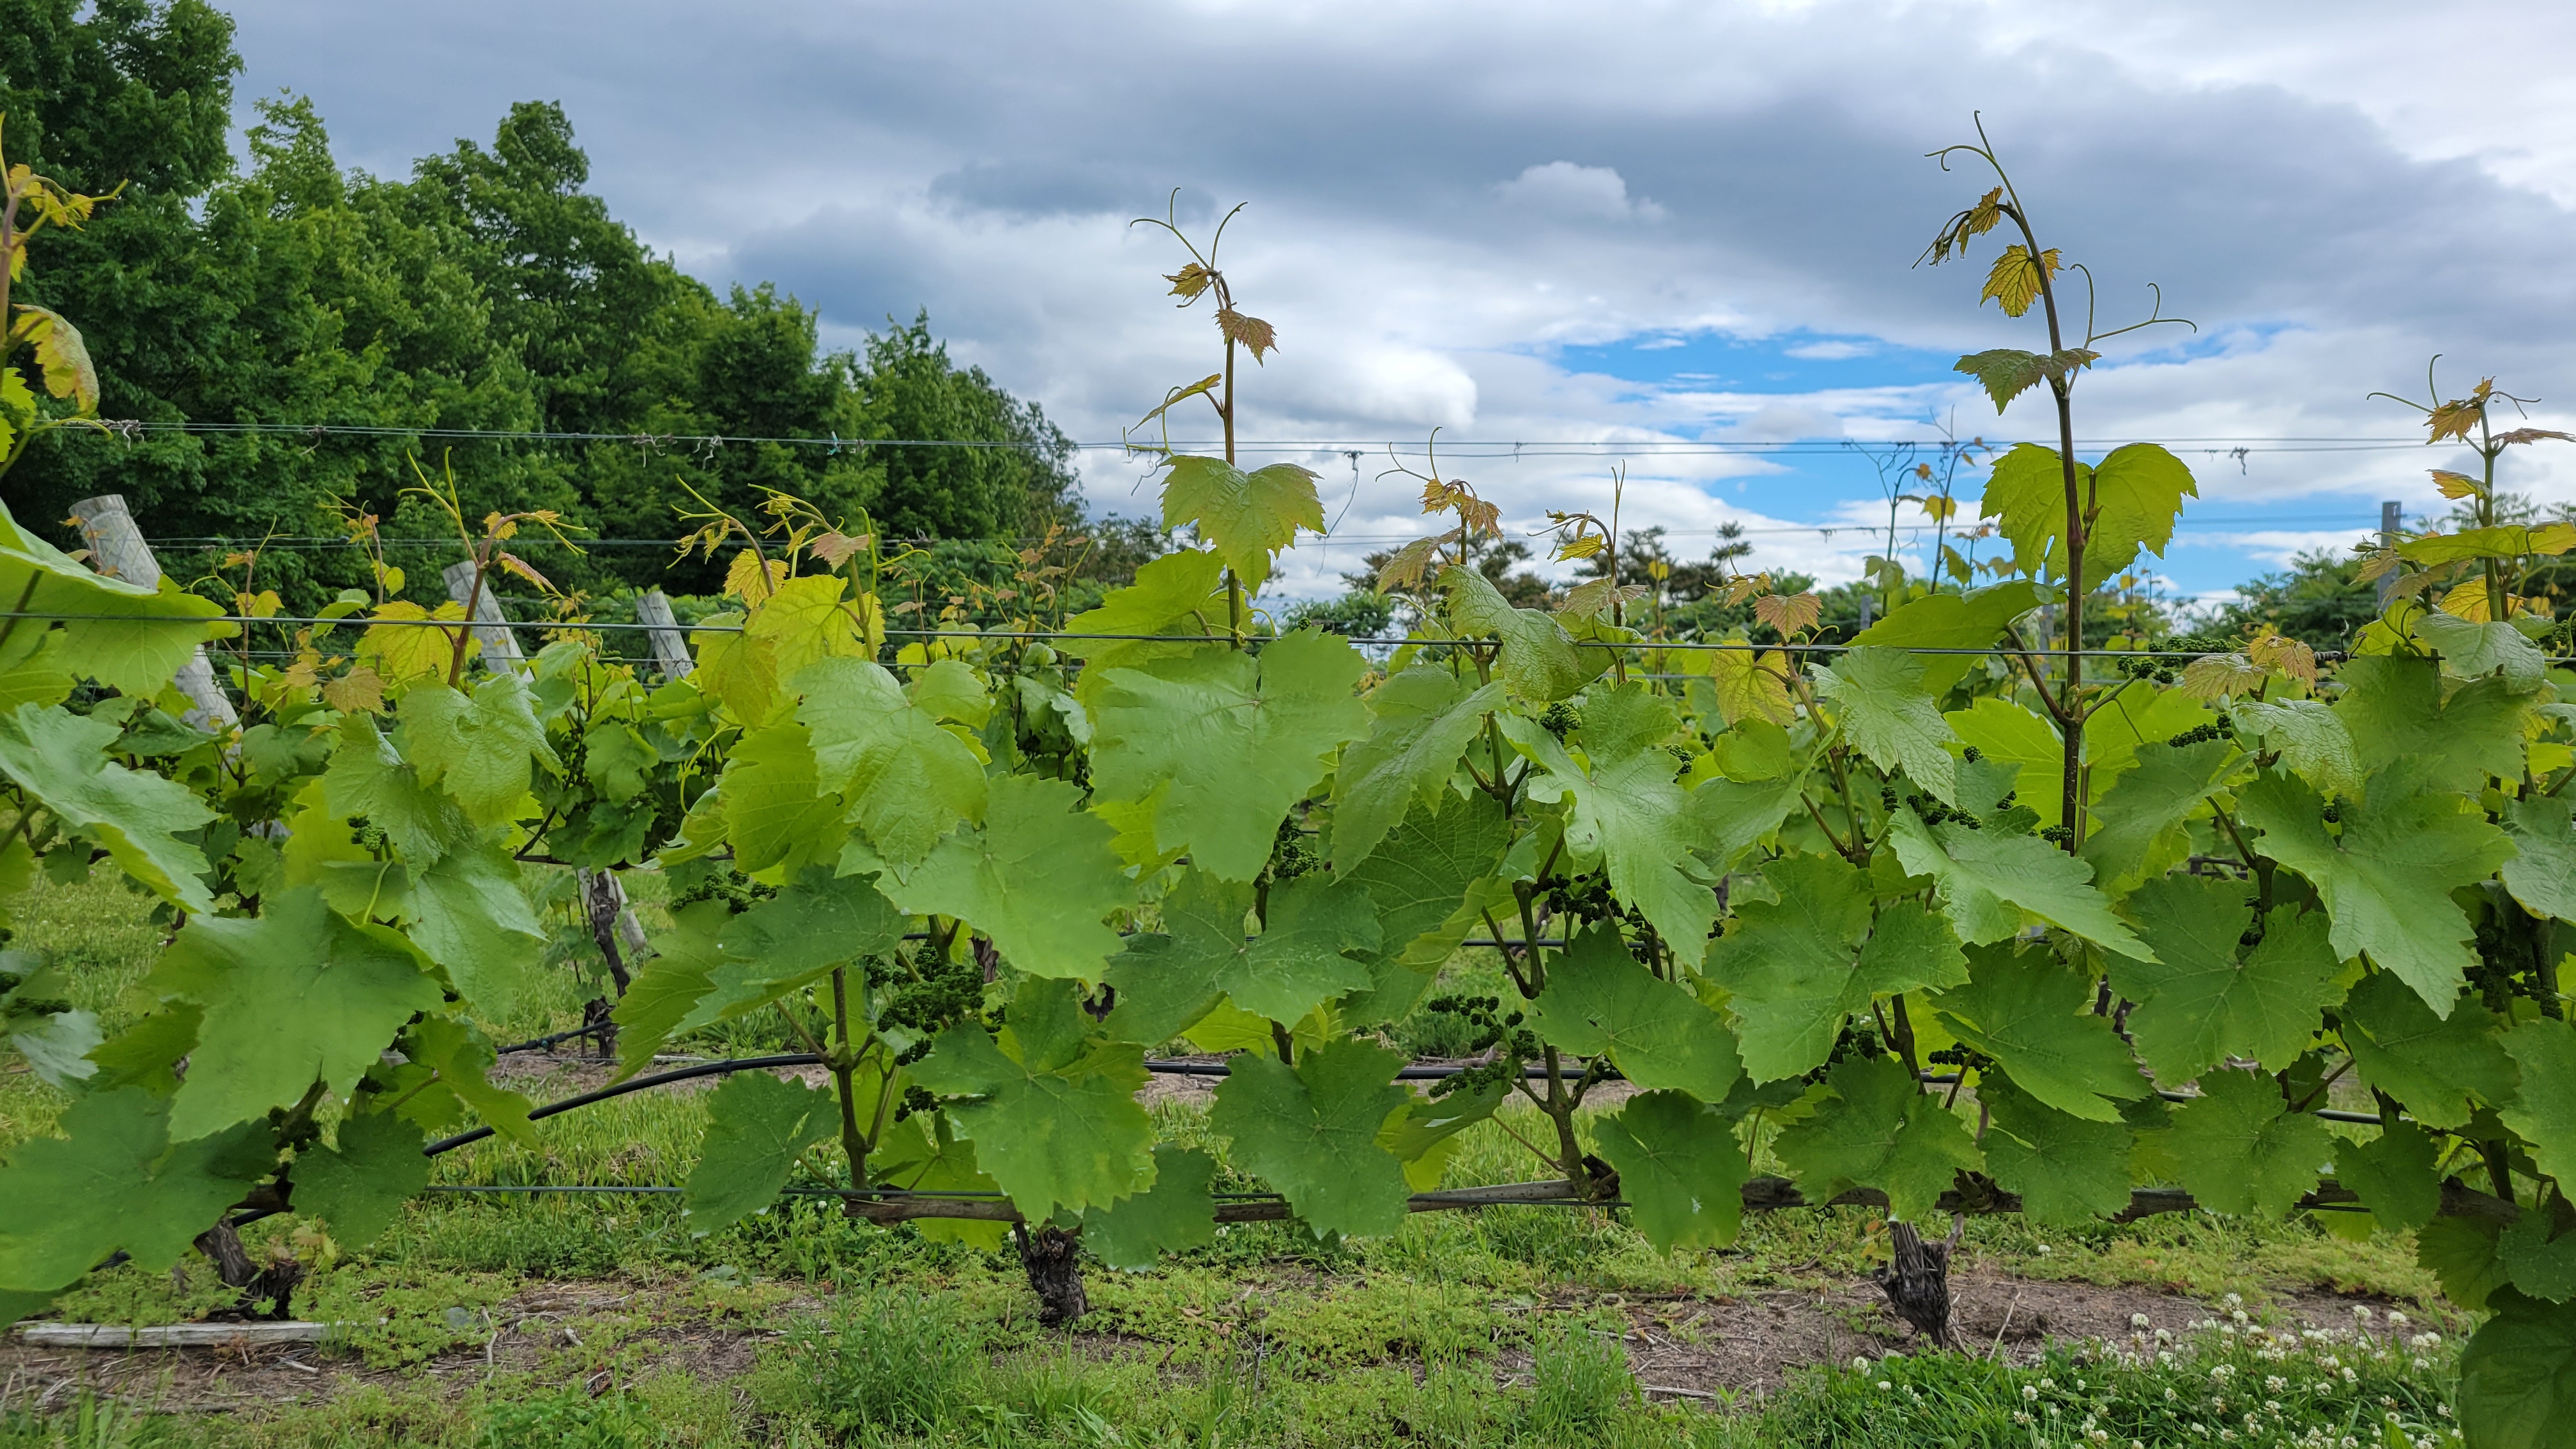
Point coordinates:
pixel 1783 362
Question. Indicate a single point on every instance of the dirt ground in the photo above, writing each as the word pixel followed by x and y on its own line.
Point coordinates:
pixel 1684 1345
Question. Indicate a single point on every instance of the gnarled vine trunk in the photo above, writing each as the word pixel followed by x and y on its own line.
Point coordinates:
pixel 1052 1257
pixel 1917 1283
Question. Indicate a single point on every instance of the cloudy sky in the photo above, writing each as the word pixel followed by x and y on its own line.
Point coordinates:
pixel 1674 237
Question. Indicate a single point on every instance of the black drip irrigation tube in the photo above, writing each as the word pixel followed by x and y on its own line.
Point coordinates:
pixel 730 1065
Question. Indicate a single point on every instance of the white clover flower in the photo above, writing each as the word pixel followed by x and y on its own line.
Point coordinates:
pixel 2020 1418
pixel 2029 1395
pixel 2350 1377
pixel 2232 1301
pixel 2137 1320
pixel 1860 1363
pixel 2048 1383
pixel 2274 1383
pixel 2422 1364
pixel 2043 1250
pixel 2397 1318
pixel 2164 1335
pixel 1885 1385
pixel 2361 1311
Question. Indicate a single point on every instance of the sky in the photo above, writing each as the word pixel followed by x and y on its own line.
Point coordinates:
pixel 1670 242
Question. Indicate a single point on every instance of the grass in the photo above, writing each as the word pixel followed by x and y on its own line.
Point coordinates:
pixel 1497 1328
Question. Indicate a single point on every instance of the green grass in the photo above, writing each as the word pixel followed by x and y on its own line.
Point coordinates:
pixel 887 1369
pixel 1264 1337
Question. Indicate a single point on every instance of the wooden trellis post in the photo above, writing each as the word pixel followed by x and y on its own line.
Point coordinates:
pixel 670 646
pixel 117 549
pixel 491 627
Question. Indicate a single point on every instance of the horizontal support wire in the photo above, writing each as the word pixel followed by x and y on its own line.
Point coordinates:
pixel 1490 447
pixel 1251 640
pixel 1160 1066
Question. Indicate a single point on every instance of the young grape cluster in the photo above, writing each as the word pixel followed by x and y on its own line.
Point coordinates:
pixel 1860 1042
pixel 1489 1026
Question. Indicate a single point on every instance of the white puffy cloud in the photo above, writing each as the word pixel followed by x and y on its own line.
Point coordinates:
pixel 1440 211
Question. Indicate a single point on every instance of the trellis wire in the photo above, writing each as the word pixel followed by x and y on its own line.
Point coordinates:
pixel 1249 640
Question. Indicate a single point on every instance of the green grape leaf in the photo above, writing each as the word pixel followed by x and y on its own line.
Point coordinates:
pixel 616 759
pixel 2198 1004
pixel 1166 983
pixel 673 980
pixel 908 781
pixel 2136 492
pixel 1419 723
pixel 2005 733
pixel 1987 879
pixel 115 1182
pixel 2545 1113
pixel 2139 489
pixel 2309 737
pixel 357 1186
pixel 758 1127
pixel 1538 661
pixel 1222 743
pixel 1426 879
pixel 1731 817
pixel 1629 813
pixel 147 1053
pixel 1599 1000
pixel 777 810
pixel 2542 874
pixel 2394 710
pixel 1311 1131
pixel 1243 517
pixel 291 997
pixel 2518 1375
pixel 480 748
pixel 1881 706
pixel 2032 1013
pixel 1681 1170
pixel 2537 1266
pixel 463 1058
pixel 1054 1118
pixel 2006 372
pixel 1179 593
pixel 468 913
pixel 938 1160
pixel 1879 1130
pixel 2387 882
pixel 2068 1170
pixel 1799 966
pixel 816 922
pixel 2471 650
pixel 1424 1132
pixel 2141 816
pixel 1951 621
pixel 950 689
pixel 2026 493
pixel 368 778
pixel 2394 1176
pixel 2241 1153
pixel 134 638
pixel 1175 1215
pixel 2461 1252
pixel 2435 1065
pixel 1037 876
pixel 59 760
pixel 738 669
pixel 807 620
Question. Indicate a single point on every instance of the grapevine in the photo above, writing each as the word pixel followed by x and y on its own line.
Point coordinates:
pixel 1940 918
